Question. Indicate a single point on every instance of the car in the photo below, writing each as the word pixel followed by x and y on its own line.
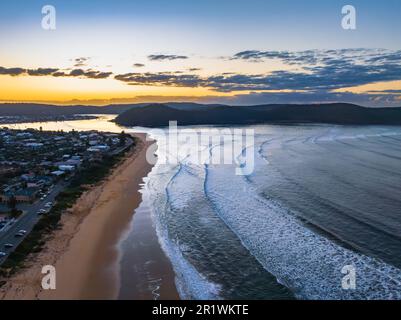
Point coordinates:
pixel 41 211
pixel 2 254
pixel 19 235
pixel 8 245
pixel 49 204
pixel 22 231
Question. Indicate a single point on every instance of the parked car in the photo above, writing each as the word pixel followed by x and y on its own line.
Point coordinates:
pixel 8 245
pixel 48 205
pixel 2 254
pixel 20 233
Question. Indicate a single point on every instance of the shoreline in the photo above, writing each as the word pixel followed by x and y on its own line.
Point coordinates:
pixel 85 249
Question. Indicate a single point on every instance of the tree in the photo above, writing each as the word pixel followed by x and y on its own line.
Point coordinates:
pixel 123 138
pixel 12 202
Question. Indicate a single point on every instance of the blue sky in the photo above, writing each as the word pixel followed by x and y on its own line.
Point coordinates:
pixel 263 24
pixel 115 35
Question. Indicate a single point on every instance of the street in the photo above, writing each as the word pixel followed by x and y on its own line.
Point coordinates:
pixel 26 221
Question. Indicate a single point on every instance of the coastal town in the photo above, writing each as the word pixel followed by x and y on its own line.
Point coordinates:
pixel 43 118
pixel 36 166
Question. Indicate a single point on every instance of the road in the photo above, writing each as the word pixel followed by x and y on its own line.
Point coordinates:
pixel 128 143
pixel 26 221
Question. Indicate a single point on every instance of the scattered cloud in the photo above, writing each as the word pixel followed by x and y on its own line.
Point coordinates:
pixel 91 74
pixel 310 57
pixel 369 100
pixel 41 71
pixel 54 72
pixel 81 62
pixel 12 71
pixel 320 69
pixel 163 57
pixel 160 79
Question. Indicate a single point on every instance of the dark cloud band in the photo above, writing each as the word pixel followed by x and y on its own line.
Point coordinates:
pixel 90 74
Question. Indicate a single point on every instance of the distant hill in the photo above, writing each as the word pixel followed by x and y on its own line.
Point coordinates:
pixel 33 109
pixel 186 113
pixel 158 115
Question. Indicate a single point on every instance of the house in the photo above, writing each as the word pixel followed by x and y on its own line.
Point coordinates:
pixel 28 176
pixel 58 173
pixel 34 145
pixel 5 196
pixel 99 148
pixel 66 168
pixel 36 184
pixel 44 180
pixel 46 164
pixel 26 195
pixel 24 135
pixel 21 195
pixel 93 142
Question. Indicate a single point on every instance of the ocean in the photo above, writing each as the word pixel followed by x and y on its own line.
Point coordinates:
pixel 320 198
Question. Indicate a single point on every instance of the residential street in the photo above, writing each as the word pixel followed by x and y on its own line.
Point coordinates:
pixel 26 221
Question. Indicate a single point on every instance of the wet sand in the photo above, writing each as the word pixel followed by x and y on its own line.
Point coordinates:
pixel 145 269
pixel 85 250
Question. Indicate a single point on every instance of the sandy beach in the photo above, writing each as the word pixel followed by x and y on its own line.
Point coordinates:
pixel 84 251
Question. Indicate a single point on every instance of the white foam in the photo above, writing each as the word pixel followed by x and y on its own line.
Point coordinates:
pixel 307 263
pixel 190 283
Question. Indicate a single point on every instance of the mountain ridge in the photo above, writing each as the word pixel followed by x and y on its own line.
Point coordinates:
pixel 190 113
pixel 159 115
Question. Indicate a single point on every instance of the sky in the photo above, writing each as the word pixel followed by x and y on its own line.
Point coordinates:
pixel 226 51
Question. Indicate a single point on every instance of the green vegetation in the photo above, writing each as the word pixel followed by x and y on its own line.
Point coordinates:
pixel 90 174
pixel 15 213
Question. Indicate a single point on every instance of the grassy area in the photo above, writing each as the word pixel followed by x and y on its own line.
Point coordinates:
pixel 90 174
